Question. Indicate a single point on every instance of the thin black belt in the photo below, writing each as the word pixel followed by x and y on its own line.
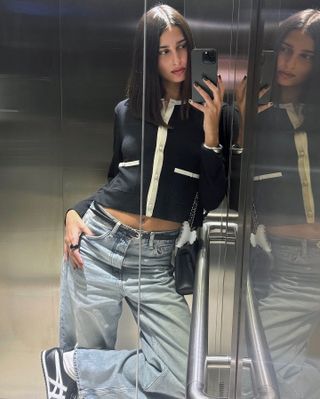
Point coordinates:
pixel 158 235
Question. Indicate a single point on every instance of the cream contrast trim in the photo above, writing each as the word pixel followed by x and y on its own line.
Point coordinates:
pixel 158 158
pixel 186 173
pixel 129 163
pixel 301 141
pixel 267 176
pixel 295 113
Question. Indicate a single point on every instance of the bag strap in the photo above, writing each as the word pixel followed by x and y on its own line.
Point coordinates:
pixel 193 210
pixel 254 218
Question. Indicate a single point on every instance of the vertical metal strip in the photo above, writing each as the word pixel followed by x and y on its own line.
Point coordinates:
pixel 141 192
pixel 245 194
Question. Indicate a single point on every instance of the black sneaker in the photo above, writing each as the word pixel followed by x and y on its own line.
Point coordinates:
pixel 58 384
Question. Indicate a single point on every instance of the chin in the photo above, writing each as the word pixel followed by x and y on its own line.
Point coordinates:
pixel 285 83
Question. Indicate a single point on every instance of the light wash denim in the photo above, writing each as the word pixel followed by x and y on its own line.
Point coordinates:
pixel 91 303
pixel 290 311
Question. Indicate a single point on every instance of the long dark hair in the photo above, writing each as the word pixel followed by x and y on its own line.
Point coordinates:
pixel 308 21
pixel 158 19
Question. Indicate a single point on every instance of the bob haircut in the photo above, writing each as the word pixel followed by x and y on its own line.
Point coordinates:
pixel 158 19
pixel 308 21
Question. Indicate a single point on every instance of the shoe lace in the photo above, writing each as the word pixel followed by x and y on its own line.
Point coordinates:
pixel 59 389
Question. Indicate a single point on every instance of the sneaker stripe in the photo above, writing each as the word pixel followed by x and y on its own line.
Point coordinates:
pixel 55 388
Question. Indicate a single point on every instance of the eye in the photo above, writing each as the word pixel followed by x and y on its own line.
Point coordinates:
pixel 183 45
pixel 163 51
pixel 307 57
pixel 285 50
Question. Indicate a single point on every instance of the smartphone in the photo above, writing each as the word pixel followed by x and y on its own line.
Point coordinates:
pixel 267 71
pixel 204 64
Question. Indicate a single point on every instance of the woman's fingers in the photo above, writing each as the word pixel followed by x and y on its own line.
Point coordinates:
pixel 65 252
pixel 263 91
pixel 76 259
pixel 264 107
pixel 75 228
pixel 216 98
pixel 216 90
pixel 198 106
pixel 241 90
pixel 202 92
pixel 221 87
pixel 73 252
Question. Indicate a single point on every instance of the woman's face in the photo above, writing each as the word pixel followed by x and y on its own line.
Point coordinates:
pixel 173 56
pixel 295 59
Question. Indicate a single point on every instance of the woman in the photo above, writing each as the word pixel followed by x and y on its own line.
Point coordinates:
pixel 126 244
pixel 286 203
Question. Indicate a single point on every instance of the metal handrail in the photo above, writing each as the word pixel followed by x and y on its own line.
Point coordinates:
pixel 199 331
pixel 265 376
pixel 198 360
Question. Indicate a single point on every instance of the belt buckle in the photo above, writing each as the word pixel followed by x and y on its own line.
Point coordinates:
pixel 135 233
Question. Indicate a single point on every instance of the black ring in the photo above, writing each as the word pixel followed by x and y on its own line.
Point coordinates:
pixel 73 247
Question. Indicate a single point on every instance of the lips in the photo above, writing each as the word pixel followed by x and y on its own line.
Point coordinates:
pixel 286 75
pixel 178 71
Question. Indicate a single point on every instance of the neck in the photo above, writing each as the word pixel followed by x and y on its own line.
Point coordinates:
pixel 172 90
pixel 290 94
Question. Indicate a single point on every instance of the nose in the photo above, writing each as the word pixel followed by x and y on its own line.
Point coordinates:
pixel 176 59
pixel 291 62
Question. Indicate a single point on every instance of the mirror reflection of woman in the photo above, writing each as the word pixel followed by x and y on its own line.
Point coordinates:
pixel 106 238
pixel 287 206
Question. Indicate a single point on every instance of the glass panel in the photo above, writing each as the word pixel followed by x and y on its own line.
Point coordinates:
pixel 226 28
pixel 281 320
pixel 173 158
pixel 163 316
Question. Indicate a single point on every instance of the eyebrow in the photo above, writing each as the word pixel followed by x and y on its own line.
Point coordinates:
pixel 305 51
pixel 178 42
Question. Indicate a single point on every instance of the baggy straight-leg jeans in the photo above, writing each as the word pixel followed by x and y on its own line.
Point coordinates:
pixel 290 312
pixel 91 303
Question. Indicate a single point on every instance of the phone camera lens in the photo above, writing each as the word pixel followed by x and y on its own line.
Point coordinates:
pixel 209 57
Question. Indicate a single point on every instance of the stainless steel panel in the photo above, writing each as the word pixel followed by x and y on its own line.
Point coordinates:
pixel 64 66
pixel 31 192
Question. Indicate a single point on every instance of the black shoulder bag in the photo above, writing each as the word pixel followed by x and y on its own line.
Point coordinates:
pixel 185 259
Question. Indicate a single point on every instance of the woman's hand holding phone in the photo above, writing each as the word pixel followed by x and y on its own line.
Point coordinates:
pixel 211 108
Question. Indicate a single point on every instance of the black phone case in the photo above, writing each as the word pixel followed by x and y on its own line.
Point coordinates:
pixel 200 68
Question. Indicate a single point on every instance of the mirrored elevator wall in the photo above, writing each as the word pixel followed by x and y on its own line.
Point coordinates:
pixel 31 190
pixel 63 68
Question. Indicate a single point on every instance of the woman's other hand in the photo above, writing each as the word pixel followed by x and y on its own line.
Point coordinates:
pixel 211 108
pixel 262 92
pixel 241 95
pixel 74 228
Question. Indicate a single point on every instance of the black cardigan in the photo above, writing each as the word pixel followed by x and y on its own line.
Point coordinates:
pixel 185 169
pixel 277 190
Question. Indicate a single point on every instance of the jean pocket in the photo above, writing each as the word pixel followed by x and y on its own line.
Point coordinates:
pixel 100 228
pixel 153 377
